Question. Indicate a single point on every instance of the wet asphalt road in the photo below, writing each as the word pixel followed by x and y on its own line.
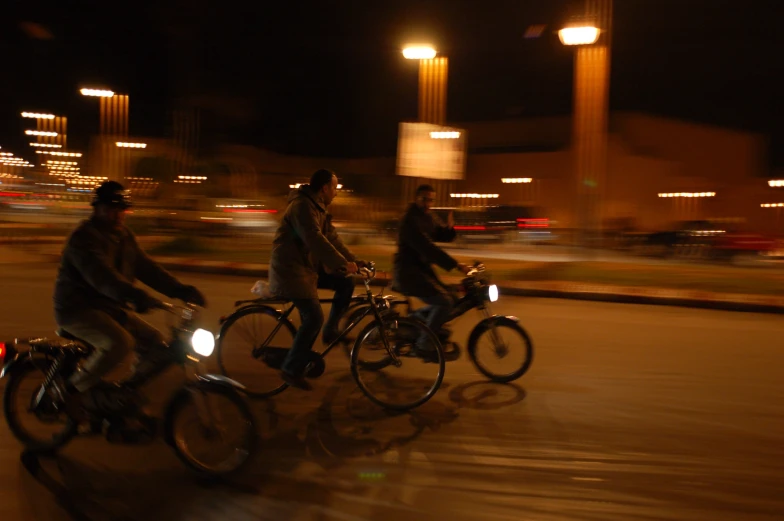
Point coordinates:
pixel 629 412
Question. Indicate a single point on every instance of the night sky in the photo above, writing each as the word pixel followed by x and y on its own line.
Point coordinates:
pixel 327 77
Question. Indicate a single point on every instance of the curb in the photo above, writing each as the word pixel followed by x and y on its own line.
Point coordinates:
pixel 545 289
pixel 21 239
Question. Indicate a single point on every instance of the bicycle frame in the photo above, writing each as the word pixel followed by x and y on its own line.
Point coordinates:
pixel 464 305
pixel 372 308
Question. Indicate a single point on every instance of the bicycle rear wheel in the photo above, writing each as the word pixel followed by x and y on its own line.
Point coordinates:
pixel 249 352
pixel 407 373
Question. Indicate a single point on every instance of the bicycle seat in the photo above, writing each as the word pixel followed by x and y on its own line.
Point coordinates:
pixel 62 333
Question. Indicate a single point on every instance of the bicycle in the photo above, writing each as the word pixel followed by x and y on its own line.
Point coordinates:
pixel 478 294
pixel 55 360
pixel 380 337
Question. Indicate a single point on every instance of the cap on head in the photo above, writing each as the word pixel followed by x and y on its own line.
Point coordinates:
pixel 112 193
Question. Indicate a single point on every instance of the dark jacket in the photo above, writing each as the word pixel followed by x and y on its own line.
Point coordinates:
pixel 98 268
pixel 306 241
pixel 416 252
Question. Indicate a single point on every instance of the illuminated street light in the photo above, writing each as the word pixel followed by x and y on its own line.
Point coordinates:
pixel 445 135
pixel 40 133
pixel 774 183
pixel 474 196
pixel 516 180
pixel 63 154
pixel 772 205
pixel 578 35
pixel 131 145
pixel 419 52
pixel 35 115
pixel 113 111
pixel 98 93
pixel 45 145
pixel 689 194
pixel 190 179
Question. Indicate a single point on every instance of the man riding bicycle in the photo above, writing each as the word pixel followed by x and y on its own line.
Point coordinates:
pixel 95 283
pixel 307 254
pixel 413 274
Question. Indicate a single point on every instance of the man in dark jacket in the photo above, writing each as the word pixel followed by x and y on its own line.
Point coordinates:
pixel 307 254
pixel 95 284
pixel 413 274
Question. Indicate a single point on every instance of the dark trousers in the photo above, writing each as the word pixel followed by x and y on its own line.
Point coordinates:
pixel 436 313
pixel 312 317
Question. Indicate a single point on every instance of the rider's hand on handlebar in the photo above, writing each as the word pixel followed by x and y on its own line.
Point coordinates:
pixel 144 302
pixel 351 267
pixel 193 295
pixel 464 268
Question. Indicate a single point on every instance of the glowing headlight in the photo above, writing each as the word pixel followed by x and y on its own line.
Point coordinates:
pixel 492 292
pixel 203 342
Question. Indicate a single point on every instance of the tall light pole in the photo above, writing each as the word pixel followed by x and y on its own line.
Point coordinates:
pixel 433 73
pixel 50 123
pixel 114 161
pixel 591 111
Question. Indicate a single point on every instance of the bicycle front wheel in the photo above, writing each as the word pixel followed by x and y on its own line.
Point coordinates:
pixel 405 373
pixel 501 349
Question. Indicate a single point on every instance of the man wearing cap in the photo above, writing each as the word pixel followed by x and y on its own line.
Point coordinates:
pixel 94 287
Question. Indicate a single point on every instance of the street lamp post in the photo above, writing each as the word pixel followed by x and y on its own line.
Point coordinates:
pixel 591 111
pixel 114 160
pixel 50 123
pixel 433 73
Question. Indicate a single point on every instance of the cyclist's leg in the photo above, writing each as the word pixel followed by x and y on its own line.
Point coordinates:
pixel 344 290
pixel 311 317
pixel 152 351
pixel 440 305
pixel 112 343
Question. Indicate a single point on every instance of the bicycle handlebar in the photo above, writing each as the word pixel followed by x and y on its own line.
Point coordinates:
pixel 368 272
pixel 174 309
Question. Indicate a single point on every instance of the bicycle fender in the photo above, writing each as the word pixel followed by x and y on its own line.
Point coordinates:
pixel 485 324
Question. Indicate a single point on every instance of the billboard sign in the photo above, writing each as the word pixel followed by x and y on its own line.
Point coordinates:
pixel 431 151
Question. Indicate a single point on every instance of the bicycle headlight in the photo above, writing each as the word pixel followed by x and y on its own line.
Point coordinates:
pixel 203 342
pixel 492 292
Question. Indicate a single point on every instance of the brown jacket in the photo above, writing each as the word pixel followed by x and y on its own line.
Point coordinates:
pixel 98 268
pixel 305 242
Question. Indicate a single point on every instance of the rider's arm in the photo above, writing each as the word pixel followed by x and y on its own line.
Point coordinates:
pixel 334 239
pixel 153 274
pixel 88 256
pixel 443 232
pixel 411 232
pixel 306 225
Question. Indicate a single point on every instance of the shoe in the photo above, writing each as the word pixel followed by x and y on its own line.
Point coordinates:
pixel 296 381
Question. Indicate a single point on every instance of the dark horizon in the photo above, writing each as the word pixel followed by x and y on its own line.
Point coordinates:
pixel 331 81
